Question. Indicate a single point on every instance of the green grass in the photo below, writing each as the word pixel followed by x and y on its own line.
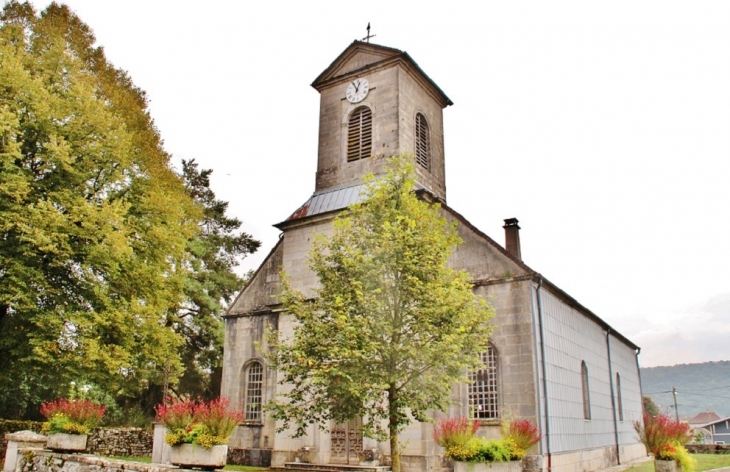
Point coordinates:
pixel 704 462
pixel 711 461
pixel 146 459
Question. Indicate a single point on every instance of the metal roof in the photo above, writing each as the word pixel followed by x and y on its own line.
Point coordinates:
pixel 333 199
pixel 328 200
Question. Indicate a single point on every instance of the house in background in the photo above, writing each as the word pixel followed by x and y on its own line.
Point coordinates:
pixel 703 418
pixel 551 360
pixel 719 431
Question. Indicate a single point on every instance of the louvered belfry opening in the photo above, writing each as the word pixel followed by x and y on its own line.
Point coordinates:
pixel 360 134
pixel 423 140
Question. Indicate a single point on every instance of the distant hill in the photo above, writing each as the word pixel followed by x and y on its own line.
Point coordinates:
pixel 700 387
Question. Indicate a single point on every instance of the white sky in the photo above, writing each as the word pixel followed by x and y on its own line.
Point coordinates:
pixel 603 126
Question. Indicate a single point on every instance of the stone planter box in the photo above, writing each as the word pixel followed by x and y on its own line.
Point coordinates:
pixel 666 466
pixel 191 455
pixel 66 442
pixel 511 466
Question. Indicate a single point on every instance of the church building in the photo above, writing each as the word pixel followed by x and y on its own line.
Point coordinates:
pixel 550 360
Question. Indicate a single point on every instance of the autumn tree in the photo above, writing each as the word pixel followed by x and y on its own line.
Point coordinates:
pixel 390 328
pixel 94 223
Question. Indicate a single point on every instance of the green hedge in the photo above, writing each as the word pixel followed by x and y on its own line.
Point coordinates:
pixel 11 426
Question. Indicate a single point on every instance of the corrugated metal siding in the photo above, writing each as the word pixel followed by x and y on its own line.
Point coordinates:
pixel 623 361
pixel 571 338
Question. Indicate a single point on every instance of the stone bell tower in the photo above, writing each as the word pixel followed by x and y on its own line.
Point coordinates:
pixel 376 102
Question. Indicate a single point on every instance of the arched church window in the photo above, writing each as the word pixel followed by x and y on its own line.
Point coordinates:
pixel 618 398
pixel 254 381
pixel 423 141
pixel 360 134
pixel 586 390
pixel 483 388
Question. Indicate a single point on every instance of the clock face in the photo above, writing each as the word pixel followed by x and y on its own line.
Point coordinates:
pixel 357 90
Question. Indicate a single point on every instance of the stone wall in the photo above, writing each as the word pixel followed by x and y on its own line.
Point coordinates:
pixel 135 442
pixel 40 460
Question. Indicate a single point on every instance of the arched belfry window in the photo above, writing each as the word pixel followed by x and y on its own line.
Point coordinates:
pixel 423 141
pixel 483 388
pixel 360 134
pixel 253 391
pixel 586 390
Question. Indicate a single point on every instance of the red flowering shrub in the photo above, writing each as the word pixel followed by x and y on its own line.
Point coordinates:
pixel 72 416
pixel 175 414
pixel 451 432
pixel 523 434
pixel 217 417
pixel 197 422
pixel 661 433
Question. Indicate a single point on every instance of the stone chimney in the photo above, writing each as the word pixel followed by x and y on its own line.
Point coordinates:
pixel 512 237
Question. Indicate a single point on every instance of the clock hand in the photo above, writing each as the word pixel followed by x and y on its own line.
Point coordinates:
pixel 357 87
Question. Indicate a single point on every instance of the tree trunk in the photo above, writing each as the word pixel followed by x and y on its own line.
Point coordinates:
pixel 393 429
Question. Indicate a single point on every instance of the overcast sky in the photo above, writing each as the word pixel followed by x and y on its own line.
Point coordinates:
pixel 604 127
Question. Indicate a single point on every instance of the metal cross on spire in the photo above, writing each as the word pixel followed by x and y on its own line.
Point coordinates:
pixel 367 38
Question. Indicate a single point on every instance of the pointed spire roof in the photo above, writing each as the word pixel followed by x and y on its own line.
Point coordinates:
pixel 361 56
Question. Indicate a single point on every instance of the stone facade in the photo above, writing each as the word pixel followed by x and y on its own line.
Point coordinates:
pixel 398 90
pixel 542 337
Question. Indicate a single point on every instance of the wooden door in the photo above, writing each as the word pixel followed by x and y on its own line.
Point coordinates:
pixel 346 442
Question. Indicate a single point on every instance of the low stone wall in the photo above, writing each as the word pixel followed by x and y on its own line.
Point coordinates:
pixel 41 460
pixel 135 442
pixel 708 448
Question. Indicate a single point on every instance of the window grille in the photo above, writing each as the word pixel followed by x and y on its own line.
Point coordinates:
pixel 483 388
pixel 423 141
pixel 586 391
pixel 254 385
pixel 360 134
pixel 618 398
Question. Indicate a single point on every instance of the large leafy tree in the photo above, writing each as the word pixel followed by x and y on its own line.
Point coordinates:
pixel 650 407
pixel 94 223
pixel 214 254
pixel 391 327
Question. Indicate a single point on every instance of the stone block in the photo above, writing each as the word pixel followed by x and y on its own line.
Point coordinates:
pixel 20 440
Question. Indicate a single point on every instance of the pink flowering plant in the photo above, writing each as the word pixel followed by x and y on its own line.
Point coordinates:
pixel 206 424
pixel 71 416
